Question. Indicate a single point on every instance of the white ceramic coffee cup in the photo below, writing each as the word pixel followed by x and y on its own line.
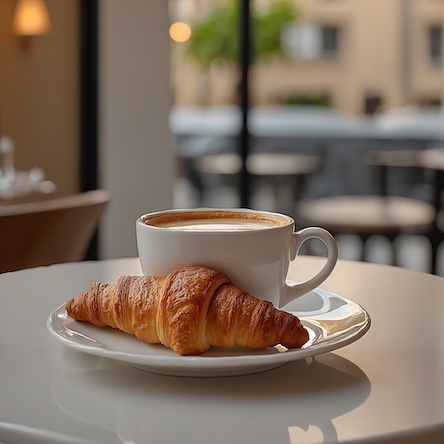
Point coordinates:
pixel 255 259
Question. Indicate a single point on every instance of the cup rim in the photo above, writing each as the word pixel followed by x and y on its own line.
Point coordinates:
pixel 264 214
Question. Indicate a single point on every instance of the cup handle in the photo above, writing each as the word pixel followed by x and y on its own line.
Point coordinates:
pixel 294 291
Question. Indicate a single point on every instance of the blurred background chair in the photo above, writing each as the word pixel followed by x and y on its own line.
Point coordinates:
pixel 380 214
pixel 50 231
pixel 283 173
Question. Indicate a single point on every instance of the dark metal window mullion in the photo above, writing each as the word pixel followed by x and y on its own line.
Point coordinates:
pixel 245 60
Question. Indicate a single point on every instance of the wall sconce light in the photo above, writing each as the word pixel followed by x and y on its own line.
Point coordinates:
pixel 31 18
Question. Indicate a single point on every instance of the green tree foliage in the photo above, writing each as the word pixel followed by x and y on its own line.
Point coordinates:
pixel 215 38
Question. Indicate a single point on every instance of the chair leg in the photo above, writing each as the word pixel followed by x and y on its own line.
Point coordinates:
pixel 436 236
pixel 364 255
pixel 395 259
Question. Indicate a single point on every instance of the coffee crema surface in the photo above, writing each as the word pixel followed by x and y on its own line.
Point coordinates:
pixel 216 221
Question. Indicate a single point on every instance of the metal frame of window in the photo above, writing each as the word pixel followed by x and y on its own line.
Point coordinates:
pixel 245 61
pixel 88 115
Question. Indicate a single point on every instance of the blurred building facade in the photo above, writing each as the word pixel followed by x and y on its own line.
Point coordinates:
pixel 359 56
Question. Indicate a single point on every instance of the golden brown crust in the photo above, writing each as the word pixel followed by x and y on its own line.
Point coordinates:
pixel 235 317
pixel 190 310
pixel 145 307
pixel 183 308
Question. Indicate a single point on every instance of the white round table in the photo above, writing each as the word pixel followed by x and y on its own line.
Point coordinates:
pixel 386 387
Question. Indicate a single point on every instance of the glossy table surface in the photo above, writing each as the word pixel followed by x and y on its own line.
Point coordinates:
pixel 388 386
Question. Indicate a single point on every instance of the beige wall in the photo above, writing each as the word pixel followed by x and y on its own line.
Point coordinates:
pixel 39 94
pixel 426 79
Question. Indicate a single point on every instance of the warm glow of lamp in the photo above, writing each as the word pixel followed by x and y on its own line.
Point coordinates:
pixel 31 18
pixel 180 32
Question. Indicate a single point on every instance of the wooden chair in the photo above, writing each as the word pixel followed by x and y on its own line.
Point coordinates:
pixel 51 231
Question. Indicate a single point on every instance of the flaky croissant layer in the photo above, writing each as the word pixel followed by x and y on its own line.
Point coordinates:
pixel 189 310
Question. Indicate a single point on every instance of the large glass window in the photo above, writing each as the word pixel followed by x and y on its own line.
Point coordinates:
pixel 330 79
pixel 325 77
pixel 330 41
pixel 435 44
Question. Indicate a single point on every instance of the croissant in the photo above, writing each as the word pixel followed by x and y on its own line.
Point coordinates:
pixel 189 310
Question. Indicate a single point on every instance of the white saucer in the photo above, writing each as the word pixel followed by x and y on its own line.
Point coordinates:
pixel 332 322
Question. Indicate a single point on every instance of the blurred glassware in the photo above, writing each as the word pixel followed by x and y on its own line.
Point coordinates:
pixel 16 184
pixel 7 170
